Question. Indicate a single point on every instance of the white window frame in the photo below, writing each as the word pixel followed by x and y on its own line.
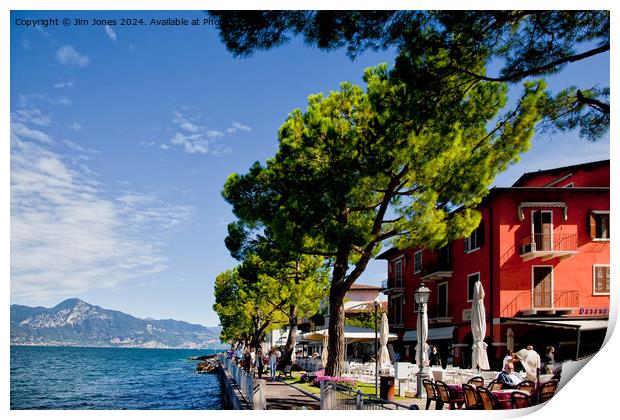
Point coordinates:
pixel 594 292
pixel 595 212
pixel 532 282
pixel 447 299
pixel 468 240
pixel 532 227
pixel 417 268
pixel 467 290
pixel 396 282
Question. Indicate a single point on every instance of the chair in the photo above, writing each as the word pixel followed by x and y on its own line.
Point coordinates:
pixel 476 381
pixel 527 387
pixel 520 399
pixel 445 397
pixel 489 401
pixel 286 372
pixel 547 390
pixel 431 394
pixel 495 385
pixel 472 400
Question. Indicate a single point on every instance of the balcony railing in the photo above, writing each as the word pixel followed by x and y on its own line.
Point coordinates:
pixel 390 286
pixel 532 302
pixel 437 270
pixel 545 245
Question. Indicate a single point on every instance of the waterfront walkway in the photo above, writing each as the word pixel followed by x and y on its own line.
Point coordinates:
pixel 282 396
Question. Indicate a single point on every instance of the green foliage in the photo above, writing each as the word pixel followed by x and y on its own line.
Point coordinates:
pixel 434 46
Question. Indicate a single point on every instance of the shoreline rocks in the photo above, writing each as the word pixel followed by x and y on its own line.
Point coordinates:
pixel 208 364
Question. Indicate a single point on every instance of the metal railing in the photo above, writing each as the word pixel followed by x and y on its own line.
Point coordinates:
pixel 244 381
pixel 529 299
pixel 548 242
pixel 336 397
pixel 436 266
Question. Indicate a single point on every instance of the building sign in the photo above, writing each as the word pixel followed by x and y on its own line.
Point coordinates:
pixel 593 311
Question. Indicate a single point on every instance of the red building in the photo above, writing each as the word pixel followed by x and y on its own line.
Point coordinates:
pixel 541 252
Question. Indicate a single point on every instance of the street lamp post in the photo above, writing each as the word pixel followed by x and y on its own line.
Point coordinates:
pixel 376 305
pixel 421 299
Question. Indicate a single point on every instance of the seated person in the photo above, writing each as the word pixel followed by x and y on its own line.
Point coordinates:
pixel 508 377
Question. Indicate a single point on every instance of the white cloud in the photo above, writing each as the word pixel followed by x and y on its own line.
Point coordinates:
pixel 196 138
pixel 75 126
pixel 69 235
pixel 74 146
pixel 61 85
pixel 110 32
pixel 21 131
pixel 67 55
pixel 236 126
pixel 31 116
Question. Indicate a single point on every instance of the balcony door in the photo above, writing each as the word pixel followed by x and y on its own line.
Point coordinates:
pixel 542 229
pixel 542 286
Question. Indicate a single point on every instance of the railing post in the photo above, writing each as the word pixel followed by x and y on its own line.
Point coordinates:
pixel 359 403
pixel 328 395
pixel 259 398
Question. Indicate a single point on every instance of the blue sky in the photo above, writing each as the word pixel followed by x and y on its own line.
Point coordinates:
pixel 121 141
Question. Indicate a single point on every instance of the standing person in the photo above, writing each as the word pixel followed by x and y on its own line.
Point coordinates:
pixel 549 359
pixel 260 363
pixel 434 358
pixel 273 362
pixel 252 360
pixel 247 361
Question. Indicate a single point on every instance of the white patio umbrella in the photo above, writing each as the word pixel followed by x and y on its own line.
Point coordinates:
pixel 421 353
pixel 479 358
pixel 324 352
pixel 384 355
pixel 510 340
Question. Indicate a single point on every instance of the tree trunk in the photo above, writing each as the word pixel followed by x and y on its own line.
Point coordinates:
pixel 292 337
pixel 336 342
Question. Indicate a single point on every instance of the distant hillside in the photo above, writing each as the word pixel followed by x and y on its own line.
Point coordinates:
pixel 74 322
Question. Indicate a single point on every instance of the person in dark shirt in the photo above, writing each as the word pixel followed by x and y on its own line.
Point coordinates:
pixel 435 358
pixel 508 378
pixel 549 359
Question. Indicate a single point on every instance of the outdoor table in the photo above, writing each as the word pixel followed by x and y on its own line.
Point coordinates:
pixel 504 398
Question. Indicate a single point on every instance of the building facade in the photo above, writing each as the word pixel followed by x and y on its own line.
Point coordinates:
pixel 541 252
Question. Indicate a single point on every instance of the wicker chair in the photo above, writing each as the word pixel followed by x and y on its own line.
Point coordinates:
pixel 445 397
pixel 495 385
pixel 547 390
pixel 488 400
pixel 476 381
pixel 431 394
pixel 472 400
pixel 520 399
pixel 527 387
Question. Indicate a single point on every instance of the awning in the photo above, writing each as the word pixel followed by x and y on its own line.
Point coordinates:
pixel 583 324
pixel 351 335
pixel 441 333
pixel 572 324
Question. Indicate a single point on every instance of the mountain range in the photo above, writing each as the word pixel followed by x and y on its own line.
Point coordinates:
pixel 74 322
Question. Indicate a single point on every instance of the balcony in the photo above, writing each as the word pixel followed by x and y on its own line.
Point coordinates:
pixel 438 314
pixel 547 246
pixel 391 287
pixel 557 302
pixel 438 270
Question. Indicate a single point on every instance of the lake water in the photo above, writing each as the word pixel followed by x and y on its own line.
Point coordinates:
pixel 110 378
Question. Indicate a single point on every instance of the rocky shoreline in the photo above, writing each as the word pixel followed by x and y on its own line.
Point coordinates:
pixel 208 364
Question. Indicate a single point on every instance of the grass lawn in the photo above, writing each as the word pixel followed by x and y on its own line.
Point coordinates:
pixel 308 387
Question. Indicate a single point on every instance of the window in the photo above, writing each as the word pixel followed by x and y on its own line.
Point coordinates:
pixel 442 300
pixel 397 303
pixel 471 281
pixel 599 225
pixel 475 240
pixel 417 262
pixel 398 273
pixel 601 279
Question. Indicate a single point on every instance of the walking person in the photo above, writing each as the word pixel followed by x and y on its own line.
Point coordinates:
pixel 247 361
pixel 273 362
pixel 260 363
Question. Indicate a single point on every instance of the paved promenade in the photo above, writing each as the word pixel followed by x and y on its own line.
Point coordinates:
pixel 281 396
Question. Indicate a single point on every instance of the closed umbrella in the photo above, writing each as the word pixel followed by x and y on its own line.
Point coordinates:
pixel 384 354
pixel 479 358
pixel 324 352
pixel 421 351
pixel 510 340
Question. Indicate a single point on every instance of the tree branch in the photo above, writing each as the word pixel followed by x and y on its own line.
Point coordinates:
pixel 594 103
